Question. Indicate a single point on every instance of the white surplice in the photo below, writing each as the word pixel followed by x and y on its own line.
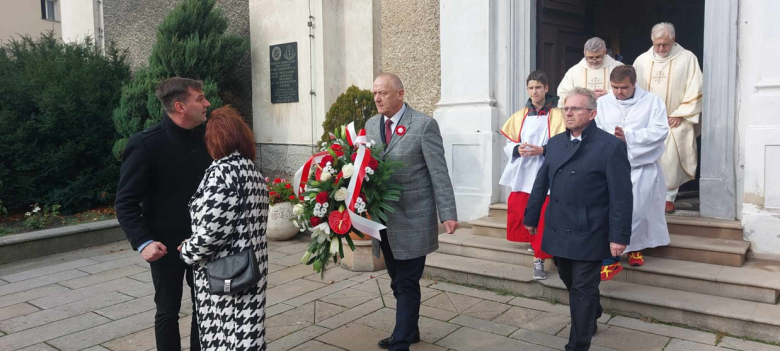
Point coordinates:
pixel 643 118
pixel 520 172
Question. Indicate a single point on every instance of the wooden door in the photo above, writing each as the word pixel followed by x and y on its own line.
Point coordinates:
pixel 561 37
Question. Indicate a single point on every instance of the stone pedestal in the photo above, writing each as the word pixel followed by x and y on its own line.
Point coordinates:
pixel 361 260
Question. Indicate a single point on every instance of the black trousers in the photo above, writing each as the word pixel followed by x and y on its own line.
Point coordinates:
pixel 582 280
pixel 168 288
pixel 405 281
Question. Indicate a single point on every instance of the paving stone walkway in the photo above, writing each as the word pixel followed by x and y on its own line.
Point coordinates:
pixel 101 298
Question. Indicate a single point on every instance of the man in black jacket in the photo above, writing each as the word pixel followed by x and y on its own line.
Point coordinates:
pixel 587 173
pixel 161 169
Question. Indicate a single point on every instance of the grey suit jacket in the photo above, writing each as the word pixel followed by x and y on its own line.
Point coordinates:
pixel 412 229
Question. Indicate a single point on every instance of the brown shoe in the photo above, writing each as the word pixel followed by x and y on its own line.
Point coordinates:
pixel 669 207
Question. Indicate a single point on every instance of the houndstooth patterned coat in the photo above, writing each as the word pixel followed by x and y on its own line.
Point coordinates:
pixel 231 322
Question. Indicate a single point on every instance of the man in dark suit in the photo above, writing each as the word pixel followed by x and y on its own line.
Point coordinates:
pixel 412 138
pixel 587 172
pixel 161 169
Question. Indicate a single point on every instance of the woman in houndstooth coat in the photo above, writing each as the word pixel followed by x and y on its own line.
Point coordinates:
pixel 229 214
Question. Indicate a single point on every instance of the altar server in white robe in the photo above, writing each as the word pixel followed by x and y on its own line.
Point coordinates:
pixel 592 72
pixel 673 73
pixel 527 132
pixel 639 119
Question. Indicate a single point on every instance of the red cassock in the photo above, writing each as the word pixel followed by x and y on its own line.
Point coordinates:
pixel 515 230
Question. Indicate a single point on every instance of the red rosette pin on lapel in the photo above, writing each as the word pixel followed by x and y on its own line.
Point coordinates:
pixel 400 130
pixel 340 222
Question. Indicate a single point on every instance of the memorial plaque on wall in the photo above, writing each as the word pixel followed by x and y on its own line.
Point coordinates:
pixel 284 73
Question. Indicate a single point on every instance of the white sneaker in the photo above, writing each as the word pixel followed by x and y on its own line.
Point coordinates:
pixel 539 273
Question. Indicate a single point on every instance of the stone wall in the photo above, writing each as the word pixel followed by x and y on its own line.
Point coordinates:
pixel 132 25
pixel 410 48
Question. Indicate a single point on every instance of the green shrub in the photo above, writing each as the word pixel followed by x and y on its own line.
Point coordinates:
pixel 191 43
pixel 56 132
pixel 38 218
pixel 354 105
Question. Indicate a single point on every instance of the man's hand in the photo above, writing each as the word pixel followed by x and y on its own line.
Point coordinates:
pixel 620 134
pixel 599 93
pixel 531 230
pixel 450 226
pixel 527 150
pixel 674 122
pixel 617 249
pixel 154 251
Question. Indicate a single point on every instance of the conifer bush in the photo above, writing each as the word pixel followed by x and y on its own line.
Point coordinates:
pixel 56 132
pixel 191 43
pixel 354 105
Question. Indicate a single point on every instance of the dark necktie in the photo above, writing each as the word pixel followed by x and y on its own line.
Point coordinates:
pixel 388 131
pixel 575 141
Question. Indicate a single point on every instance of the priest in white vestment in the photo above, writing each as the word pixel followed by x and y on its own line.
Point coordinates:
pixel 639 119
pixel 592 72
pixel 673 74
pixel 527 132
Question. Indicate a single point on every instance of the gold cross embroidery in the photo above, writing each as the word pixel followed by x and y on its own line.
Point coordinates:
pixel 595 83
pixel 659 77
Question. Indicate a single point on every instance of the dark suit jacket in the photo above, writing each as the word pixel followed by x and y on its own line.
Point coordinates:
pixel 590 196
pixel 161 168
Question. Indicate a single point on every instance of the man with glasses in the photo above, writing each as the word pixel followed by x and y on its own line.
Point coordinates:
pixel 638 118
pixel 673 74
pixel 592 72
pixel 588 176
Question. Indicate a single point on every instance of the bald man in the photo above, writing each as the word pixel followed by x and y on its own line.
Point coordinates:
pixel 413 138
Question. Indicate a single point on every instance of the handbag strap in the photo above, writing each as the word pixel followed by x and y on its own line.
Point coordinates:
pixel 242 221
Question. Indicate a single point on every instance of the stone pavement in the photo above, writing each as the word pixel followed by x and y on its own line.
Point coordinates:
pixel 101 298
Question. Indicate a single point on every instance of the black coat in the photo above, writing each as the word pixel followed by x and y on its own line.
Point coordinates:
pixel 590 195
pixel 161 168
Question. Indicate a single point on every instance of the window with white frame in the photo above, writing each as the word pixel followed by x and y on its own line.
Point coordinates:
pixel 49 10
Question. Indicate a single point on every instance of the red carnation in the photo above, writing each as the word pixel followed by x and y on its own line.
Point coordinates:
pixel 278 180
pixel 273 193
pixel 288 185
pixel 292 197
pixel 373 164
pixel 322 197
pixel 315 221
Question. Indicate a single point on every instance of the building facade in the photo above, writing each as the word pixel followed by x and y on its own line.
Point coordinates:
pixel 29 17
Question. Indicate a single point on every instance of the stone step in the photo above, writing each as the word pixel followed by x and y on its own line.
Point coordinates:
pixel 682 247
pixel 679 224
pixel 736 317
pixel 755 281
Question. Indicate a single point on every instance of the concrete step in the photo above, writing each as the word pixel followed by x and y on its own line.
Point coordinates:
pixel 684 224
pixel 736 317
pixel 682 247
pixel 755 281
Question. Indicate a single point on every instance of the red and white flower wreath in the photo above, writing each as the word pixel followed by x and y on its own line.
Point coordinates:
pixel 400 131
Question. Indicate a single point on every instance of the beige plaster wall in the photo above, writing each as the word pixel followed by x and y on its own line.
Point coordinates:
pixel 409 36
pixel 24 18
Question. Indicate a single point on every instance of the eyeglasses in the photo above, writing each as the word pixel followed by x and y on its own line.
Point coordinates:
pixel 576 109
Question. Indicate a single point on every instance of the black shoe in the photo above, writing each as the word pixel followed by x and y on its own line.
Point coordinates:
pixel 386 343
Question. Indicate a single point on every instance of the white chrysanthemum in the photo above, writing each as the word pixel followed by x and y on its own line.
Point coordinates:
pixel 348 170
pixel 341 194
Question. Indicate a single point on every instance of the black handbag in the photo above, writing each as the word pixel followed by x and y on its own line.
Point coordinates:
pixel 234 273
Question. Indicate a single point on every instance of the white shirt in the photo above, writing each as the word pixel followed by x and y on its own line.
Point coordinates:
pixel 578 138
pixel 396 117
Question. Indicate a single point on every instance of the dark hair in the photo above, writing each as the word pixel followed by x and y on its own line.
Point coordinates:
pixel 538 76
pixel 227 132
pixel 173 90
pixel 620 73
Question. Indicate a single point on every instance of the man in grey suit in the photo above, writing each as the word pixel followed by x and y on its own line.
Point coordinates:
pixel 413 138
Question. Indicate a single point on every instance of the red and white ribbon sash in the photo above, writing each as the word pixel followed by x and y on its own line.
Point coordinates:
pixel 302 175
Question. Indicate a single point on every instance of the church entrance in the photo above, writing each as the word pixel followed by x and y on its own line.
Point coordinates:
pixel 563 26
